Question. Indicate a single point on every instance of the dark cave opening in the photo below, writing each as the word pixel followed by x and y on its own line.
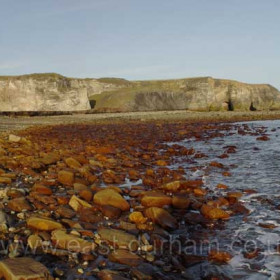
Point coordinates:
pixel 252 108
pixel 230 105
pixel 92 103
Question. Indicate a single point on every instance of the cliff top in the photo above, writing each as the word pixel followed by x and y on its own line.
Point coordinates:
pixel 120 81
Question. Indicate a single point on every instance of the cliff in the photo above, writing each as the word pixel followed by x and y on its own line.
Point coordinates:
pixel 50 92
pixel 53 92
pixel 197 94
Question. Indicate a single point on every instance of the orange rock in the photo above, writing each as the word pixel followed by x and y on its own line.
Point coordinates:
pixel 156 199
pixel 89 215
pixel 137 218
pixel 161 217
pixel 222 186
pixel 86 195
pixel 133 174
pixel 62 200
pixel 125 257
pixel 234 195
pixel 5 180
pixel 219 256
pixel 43 223
pixel 87 174
pixel 180 201
pixel 66 177
pixel 19 204
pixel 119 238
pixel 23 268
pixel 161 163
pixel 14 193
pixel 191 184
pixel 77 203
pixel 216 164
pixel 172 186
pixel 263 138
pixel 73 163
pixel 79 187
pixel 111 197
pixel 65 212
pixel 51 158
pixel 71 242
pixel 213 212
pixel 199 192
pixel 39 188
pixel 110 211
pixel 150 172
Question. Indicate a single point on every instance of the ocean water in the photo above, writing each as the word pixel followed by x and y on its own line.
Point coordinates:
pixel 254 166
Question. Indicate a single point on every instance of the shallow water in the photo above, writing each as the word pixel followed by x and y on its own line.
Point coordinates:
pixel 254 166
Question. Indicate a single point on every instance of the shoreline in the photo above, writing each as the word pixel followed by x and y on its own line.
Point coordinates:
pixel 23 122
pixel 116 189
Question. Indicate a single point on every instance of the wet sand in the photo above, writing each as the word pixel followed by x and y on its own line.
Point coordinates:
pixel 18 123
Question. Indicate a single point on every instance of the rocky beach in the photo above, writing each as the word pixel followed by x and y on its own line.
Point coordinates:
pixel 143 196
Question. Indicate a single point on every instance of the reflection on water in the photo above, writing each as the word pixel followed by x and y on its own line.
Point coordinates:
pixel 254 166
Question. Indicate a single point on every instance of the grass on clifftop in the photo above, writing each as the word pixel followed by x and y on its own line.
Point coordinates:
pixel 36 76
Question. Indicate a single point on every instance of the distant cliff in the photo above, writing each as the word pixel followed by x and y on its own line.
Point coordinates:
pixel 48 92
pixel 53 92
pixel 197 94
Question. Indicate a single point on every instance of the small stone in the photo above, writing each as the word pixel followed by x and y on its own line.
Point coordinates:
pixel 5 180
pixel 119 238
pixel 125 257
pixel 137 218
pixel 43 223
pixel 51 158
pixel 19 204
pixel 88 215
pixel 155 199
pixel 66 177
pixel 161 217
pixel 150 257
pixel 65 212
pixel 213 212
pixel 263 138
pixel 39 188
pixel 199 192
pixel 14 138
pixel 86 195
pixel 58 272
pixel 79 187
pixel 111 197
pixel 180 202
pixel 15 193
pixel 161 163
pixel 21 216
pixel 34 241
pixel 77 203
pixel 23 269
pixel 73 163
pixel 72 242
pixel 172 186
pixel 2 217
pixel 107 274
pixel 219 256
pixel 110 211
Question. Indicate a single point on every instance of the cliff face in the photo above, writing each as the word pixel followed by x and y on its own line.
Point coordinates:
pixel 53 92
pixel 48 92
pixel 197 94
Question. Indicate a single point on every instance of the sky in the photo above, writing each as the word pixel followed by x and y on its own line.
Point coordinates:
pixel 142 40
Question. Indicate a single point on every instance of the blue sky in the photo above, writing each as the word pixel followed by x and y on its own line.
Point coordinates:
pixel 147 39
